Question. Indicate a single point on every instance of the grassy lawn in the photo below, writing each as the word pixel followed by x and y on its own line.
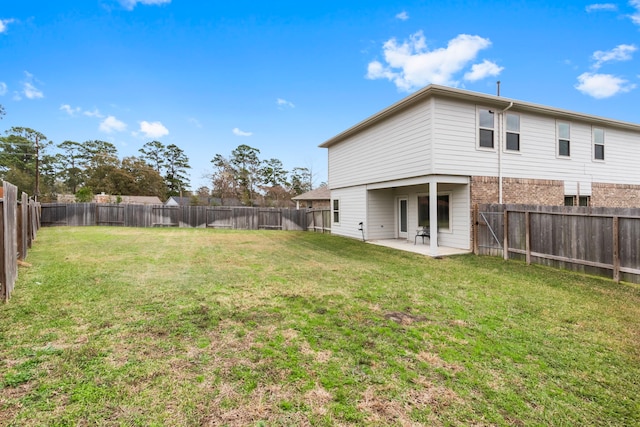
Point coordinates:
pixel 123 326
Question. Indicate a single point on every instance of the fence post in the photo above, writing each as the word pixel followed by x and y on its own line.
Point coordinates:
pixel 527 236
pixel 474 226
pixel 505 245
pixel 616 249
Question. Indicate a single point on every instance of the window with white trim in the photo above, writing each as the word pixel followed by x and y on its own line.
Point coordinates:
pixel 444 211
pixel 564 139
pixel 486 126
pixel 598 143
pixel 336 211
pixel 513 132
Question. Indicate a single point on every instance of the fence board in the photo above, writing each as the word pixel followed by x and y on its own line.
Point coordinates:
pixel 247 218
pixel 9 246
pixel 270 219
pixel 575 238
pixel 220 218
pixel 110 215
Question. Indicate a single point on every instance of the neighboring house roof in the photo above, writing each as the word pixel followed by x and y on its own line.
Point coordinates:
pixel 322 193
pixel 107 198
pixel 489 100
pixel 178 201
pixel 203 201
pixel 140 200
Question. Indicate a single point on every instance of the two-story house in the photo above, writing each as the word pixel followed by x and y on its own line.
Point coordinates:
pixel 438 152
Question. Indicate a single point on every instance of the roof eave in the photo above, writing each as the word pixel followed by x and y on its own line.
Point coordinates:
pixel 489 100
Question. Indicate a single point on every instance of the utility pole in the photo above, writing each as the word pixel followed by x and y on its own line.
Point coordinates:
pixel 37 189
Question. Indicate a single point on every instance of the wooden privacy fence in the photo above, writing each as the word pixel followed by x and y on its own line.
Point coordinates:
pixel 601 241
pixel 245 218
pixel 319 220
pixel 19 222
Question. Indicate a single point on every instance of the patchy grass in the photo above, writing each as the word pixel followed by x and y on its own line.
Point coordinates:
pixel 123 326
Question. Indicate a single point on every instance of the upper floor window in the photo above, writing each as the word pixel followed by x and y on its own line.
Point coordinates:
pixel 564 139
pixel 486 125
pixel 513 132
pixel 598 144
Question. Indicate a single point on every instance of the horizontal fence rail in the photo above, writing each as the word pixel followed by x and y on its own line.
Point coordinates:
pixel 600 241
pixel 128 215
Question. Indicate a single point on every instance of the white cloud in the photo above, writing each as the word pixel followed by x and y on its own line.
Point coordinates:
pixel 607 7
pixel 130 4
pixel 78 110
pixel 403 16
pixel 411 64
pixel 635 16
pixel 619 53
pixel 4 23
pixel 284 103
pixel 602 86
pixel 94 113
pixel 29 90
pixel 153 129
pixel 70 110
pixel 3 88
pixel 483 70
pixel 32 92
pixel 111 124
pixel 195 122
pixel 239 132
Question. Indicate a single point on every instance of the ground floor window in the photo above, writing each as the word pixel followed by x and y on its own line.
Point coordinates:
pixel 577 200
pixel 336 211
pixel 444 209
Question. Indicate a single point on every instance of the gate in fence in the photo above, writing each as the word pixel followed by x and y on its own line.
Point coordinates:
pixel 601 241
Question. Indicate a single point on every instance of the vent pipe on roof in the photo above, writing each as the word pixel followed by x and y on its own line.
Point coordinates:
pixel 498 87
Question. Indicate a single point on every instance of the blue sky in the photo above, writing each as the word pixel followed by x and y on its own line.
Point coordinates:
pixel 284 76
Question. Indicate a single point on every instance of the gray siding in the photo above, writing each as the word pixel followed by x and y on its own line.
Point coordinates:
pixel 381 220
pixel 456 153
pixel 353 203
pixel 454 141
pixel 394 149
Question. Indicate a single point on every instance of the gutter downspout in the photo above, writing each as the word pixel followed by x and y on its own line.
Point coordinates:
pixel 500 144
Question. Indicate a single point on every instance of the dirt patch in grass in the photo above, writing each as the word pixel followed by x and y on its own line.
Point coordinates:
pixel 429 399
pixel 435 361
pixel 404 318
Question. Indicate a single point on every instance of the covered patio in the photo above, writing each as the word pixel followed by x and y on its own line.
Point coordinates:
pixel 397 210
pixel 419 248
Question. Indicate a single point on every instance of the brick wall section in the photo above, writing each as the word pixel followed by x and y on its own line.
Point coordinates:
pixel 532 191
pixel 615 195
pixel 485 189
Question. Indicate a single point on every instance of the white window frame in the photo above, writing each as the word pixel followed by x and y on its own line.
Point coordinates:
pixel 508 131
pixel 560 138
pixel 598 143
pixel 443 193
pixel 479 128
pixel 335 210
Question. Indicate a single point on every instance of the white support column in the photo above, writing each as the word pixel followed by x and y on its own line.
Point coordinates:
pixel 433 217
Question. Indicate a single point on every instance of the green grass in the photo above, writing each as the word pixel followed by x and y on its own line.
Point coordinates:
pixel 127 327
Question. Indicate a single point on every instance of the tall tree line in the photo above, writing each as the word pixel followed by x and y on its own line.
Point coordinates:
pixel 243 176
pixel 90 167
pixel 29 160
